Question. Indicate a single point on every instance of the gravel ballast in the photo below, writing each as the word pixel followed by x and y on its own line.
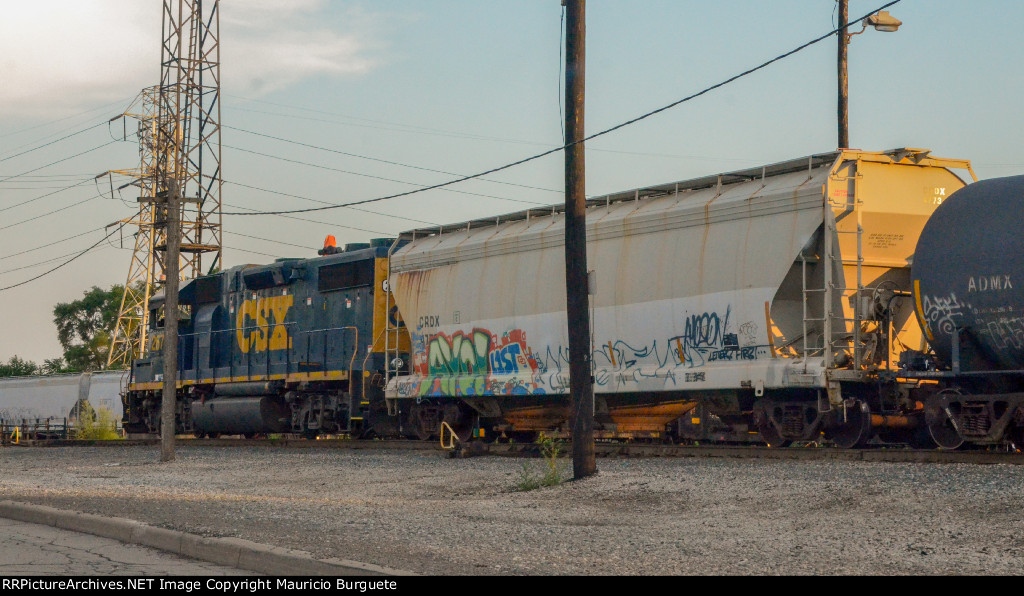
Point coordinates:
pixel 422 512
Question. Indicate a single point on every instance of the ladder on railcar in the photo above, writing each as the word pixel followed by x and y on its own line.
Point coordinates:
pixel 393 364
pixel 831 340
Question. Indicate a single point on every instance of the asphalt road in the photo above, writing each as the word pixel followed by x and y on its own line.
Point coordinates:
pixel 31 549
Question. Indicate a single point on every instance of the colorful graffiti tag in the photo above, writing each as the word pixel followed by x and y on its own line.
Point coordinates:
pixel 480 362
pixel 476 363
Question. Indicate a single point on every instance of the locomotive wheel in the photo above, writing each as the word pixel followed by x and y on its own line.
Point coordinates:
pixel 856 430
pixel 940 426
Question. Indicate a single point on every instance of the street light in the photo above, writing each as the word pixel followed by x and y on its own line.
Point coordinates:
pixel 881 21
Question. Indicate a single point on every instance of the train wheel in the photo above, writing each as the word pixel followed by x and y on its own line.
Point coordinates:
pixel 424 421
pixel 853 431
pixel 460 420
pixel 771 435
pixel 941 425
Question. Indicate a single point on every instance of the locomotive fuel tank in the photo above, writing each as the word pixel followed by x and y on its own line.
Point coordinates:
pixel 968 276
pixel 241 415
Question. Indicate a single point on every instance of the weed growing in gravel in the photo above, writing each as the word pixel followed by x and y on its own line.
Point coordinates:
pixel 99 424
pixel 551 474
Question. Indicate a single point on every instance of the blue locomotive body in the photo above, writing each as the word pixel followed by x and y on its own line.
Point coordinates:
pixel 296 346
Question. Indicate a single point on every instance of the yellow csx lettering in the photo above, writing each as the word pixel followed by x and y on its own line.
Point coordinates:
pixel 261 337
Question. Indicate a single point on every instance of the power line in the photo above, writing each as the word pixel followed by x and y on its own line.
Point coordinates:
pixel 313 165
pixel 585 139
pixel 56 162
pixel 270 240
pixel 323 223
pixel 50 212
pixel 285 194
pixel 49 122
pixel 65 263
pixel 49 194
pixel 384 161
pixel 48 244
pixel 43 262
pixel 36 148
pixel 457 135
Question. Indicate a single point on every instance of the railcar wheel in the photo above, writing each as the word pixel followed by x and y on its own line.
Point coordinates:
pixel 424 421
pixel 941 425
pixel 855 430
pixel 771 435
pixel 460 420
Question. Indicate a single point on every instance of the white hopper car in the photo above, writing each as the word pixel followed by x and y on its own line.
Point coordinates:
pixel 770 302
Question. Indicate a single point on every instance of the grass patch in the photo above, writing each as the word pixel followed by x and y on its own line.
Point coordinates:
pixel 551 473
pixel 96 424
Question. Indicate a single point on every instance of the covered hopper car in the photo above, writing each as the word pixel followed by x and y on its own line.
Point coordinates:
pixel 772 302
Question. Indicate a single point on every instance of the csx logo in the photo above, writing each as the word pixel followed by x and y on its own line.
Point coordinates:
pixel 252 327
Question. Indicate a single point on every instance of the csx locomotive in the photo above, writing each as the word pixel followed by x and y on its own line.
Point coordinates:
pixel 295 346
pixel 774 303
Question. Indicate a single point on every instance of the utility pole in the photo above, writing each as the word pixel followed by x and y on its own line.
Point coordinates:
pixel 168 406
pixel 581 381
pixel 844 88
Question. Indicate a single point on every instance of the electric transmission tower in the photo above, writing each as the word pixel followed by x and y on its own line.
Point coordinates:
pixel 145 270
pixel 179 136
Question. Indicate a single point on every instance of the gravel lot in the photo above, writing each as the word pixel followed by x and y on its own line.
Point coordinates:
pixel 425 513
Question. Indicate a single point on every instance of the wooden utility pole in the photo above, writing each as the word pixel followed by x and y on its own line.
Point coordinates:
pixel 581 381
pixel 168 405
pixel 844 89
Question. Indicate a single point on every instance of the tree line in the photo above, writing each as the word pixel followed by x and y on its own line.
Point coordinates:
pixel 84 330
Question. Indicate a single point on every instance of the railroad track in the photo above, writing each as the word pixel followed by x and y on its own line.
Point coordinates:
pixel 613 450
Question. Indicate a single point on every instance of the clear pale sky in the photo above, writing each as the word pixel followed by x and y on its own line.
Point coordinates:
pixel 463 86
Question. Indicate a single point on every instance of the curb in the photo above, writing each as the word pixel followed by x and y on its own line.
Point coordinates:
pixel 230 552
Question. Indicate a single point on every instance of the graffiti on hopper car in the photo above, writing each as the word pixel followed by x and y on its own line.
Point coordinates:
pixel 484 362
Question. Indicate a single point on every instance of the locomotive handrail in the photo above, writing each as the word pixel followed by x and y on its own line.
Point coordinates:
pixel 322 360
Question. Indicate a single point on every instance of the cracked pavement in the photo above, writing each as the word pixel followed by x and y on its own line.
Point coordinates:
pixel 32 549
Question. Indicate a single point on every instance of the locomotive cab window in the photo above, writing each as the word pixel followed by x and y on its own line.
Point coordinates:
pixel 342 276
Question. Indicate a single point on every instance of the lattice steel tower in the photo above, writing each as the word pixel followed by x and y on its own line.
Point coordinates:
pixel 179 136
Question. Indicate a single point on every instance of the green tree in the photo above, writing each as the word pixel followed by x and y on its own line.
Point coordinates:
pixel 85 326
pixel 18 367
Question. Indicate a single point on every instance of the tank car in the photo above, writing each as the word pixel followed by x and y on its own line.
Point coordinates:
pixel 968 278
pixel 771 302
pixel 295 346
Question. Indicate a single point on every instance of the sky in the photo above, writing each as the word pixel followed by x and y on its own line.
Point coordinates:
pixel 455 87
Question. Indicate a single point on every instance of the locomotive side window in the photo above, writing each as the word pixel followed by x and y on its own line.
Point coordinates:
pixel 345 275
